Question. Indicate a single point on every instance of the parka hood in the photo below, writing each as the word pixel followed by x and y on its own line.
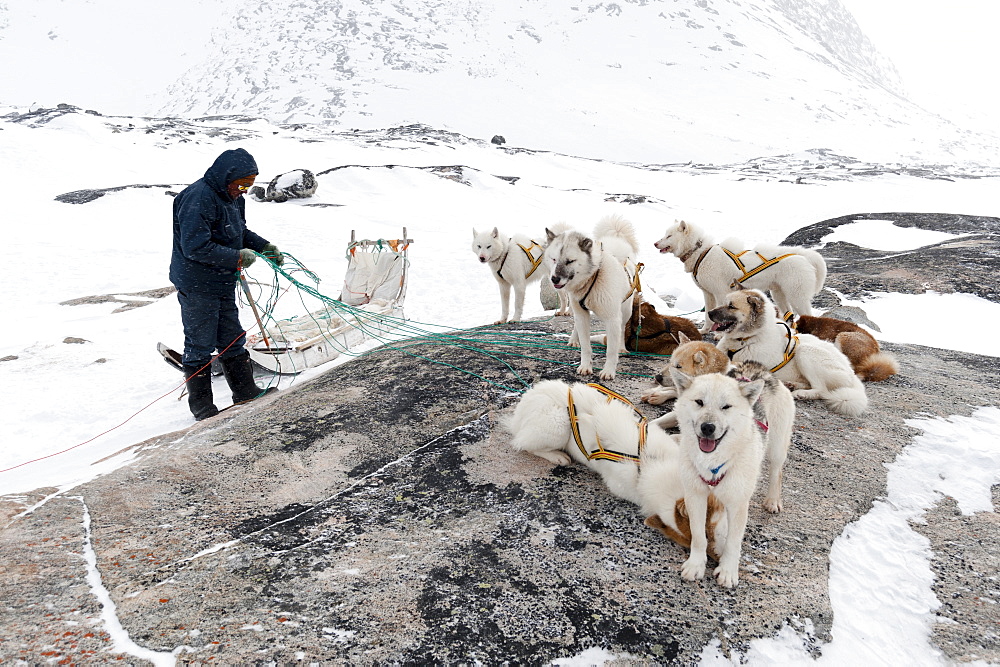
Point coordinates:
pixel 232 164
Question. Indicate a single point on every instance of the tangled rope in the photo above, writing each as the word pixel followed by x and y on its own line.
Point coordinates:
pixel 403 335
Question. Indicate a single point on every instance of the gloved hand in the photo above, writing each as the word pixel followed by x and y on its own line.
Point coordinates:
pixel 272 253
pixel 247 257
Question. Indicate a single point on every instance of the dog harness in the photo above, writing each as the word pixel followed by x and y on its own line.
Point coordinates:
pixel 601 453
pixel 694 269
pixel 764 264
pixel 535 263
pixel 791 342
pixel 634 284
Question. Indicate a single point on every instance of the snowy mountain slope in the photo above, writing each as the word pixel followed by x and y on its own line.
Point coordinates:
pixel 637 80
pixel 667 81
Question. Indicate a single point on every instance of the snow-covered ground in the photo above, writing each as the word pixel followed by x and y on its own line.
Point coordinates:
pixel 71 411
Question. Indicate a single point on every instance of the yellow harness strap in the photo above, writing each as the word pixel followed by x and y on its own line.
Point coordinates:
pixel 764 263
pixel 534 262
pixel 601 453
pixel 793 342
pixel 635 286
pixel 787 355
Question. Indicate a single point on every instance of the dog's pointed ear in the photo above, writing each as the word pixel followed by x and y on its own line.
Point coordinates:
pixel 682 226
pixel 699 358
pixel 496 232
pixel 682 338
pixel 681 380
pixel 737 286
pixel 586 244
pixel 755 302
pixel 751 390
pixel 549 235
pixel 474 233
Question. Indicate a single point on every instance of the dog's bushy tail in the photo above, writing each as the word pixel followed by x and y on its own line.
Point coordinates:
pixel 850 401
pixel 616 225
pixel 819 266
pixel 877 367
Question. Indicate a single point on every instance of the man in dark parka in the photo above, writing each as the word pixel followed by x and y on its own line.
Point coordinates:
pixel 211 245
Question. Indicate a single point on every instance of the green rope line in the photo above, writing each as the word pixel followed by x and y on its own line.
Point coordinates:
pixel 374 325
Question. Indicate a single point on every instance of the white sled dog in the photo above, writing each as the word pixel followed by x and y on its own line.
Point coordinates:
pixel 562 423
pixel 515 261
pixel 792 274
pixel 721 454
pixel 774 413
pixel 815 368
pixel 600 275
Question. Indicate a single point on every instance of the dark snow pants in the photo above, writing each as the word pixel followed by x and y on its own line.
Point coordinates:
pixel 211 322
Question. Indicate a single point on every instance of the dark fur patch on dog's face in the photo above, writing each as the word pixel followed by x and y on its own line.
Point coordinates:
pixel 571 256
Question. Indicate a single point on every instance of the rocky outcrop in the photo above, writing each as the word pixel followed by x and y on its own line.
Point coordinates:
pixel 295 184
pixel 376 515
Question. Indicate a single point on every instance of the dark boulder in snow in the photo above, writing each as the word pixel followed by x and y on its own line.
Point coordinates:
pixel 296 184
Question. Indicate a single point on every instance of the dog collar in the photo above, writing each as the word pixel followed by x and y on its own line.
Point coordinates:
pixel 714 482
pixel 686 256
pixel 715 471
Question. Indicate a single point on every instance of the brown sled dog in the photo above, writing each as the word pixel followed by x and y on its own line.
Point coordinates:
pixel 867 359
pixel 649 331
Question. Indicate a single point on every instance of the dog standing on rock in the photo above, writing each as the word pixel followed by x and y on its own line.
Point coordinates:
pixel 600 275
pixel 515 262
pixel 792 274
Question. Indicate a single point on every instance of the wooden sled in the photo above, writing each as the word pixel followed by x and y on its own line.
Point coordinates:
pixel 370 307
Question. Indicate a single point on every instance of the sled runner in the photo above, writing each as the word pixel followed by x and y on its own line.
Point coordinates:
pixel 173 357
pixel 370 306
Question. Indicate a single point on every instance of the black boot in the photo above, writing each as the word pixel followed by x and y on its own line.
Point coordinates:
pixel 239 375
pixel 199 386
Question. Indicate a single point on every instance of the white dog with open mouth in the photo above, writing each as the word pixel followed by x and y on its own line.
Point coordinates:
pixel 752 331
pixel 721 454
pixel 600 276
pixel 562 423
pixel 793 274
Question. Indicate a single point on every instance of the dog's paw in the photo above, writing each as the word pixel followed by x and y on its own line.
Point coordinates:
pixel 772 505
pixel 727 577
pixel 693 569
pixel 557 456
pixel 607 374
pixel 669 420
pixel 584 369
pixel 658 395
pixel 499 322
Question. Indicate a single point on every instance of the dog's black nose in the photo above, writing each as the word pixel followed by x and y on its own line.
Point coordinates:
pixel 658 378
pixel 707 430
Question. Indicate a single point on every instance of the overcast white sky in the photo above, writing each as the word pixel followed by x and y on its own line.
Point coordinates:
pixel 945 51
